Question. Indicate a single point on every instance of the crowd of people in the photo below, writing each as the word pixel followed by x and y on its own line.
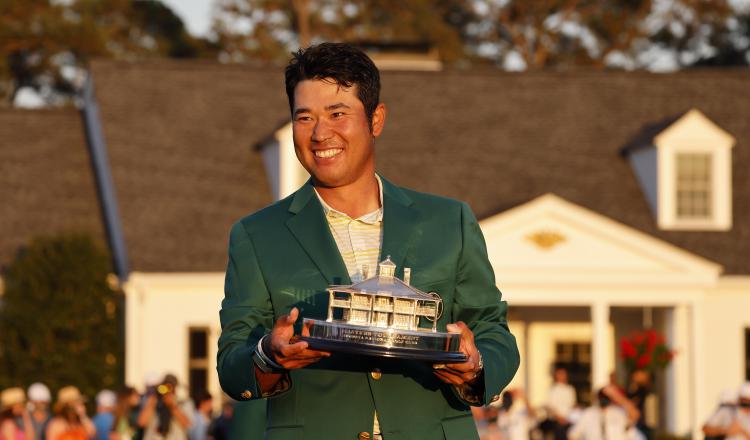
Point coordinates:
pixel 159 413
pixel 616 413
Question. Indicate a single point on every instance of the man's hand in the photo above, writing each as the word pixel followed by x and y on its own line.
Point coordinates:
pixel 462 372
pixel 286 350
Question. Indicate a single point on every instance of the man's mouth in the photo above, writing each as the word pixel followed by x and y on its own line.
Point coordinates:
pixel 325 154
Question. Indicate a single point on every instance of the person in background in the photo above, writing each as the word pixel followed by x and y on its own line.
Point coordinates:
pixel 12 407
pixel 717 426
pixel 70 421
pixel 638 390
pixel 221 425
pixel 516 417
pixel 162 416
pixel 202 417
pixel 126 415
pixel 612 418
pixel 560 402
pixel 39 401
pixel 740 429
pixel 104 418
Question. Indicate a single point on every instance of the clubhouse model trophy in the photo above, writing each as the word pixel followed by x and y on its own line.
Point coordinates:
pixel 384 316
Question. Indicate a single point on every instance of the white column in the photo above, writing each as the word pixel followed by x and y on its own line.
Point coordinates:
pixel 134 301
pixel 600 345
pixel 701 406
pixel 678 384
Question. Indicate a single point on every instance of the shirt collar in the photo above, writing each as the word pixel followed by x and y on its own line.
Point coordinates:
pixel 373 217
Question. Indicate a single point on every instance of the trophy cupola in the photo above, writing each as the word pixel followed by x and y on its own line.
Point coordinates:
pixel 387 268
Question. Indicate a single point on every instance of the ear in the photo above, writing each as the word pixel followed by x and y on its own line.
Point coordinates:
pixel 378 120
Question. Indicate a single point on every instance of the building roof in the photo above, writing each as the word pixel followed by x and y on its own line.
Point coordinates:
pixel 181 134
pixel 498 140
pixel 46 182
pixel 180 138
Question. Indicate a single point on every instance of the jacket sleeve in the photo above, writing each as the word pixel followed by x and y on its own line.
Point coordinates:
pixel 478 303
pixel 246 315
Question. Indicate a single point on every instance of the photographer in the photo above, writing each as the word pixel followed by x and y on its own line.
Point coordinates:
pixel 162 416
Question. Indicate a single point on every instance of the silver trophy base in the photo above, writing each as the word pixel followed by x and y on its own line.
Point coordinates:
pixel 383 342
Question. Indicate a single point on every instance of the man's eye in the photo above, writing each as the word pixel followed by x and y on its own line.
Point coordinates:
pixel 304 118
pixel 337 114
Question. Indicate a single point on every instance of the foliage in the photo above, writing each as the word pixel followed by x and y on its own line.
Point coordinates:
pixel 645 350
pixel 270 29
pixel 46 44
pixel 59 318
pixel 513 34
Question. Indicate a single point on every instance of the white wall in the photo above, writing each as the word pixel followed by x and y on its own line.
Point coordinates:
pixel 160 310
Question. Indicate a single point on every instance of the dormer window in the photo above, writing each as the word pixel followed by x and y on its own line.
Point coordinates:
pixel 684 166
pixel 693 185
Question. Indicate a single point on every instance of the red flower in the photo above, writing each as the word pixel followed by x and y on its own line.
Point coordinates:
pixel 627 349
pixel 638 338
pixel 643 361
pixel 651 341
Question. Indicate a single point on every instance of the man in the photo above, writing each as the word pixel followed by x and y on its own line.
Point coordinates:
pixel 162 415
pixel 612 419
pixel 39 398
pixel 561 400
pixel 740 428
pixel 202 417
pixel 282 258
pixel 104 418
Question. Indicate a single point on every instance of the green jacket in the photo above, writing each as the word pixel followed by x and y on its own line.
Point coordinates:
pixel 284 256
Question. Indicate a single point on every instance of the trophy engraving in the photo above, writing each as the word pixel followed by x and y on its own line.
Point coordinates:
pixel 384 316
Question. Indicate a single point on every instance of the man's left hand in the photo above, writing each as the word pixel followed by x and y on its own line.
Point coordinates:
pixel 463 372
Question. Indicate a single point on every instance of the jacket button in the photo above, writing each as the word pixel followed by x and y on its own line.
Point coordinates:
pixel 364 435
pixel 246 394
pixel 376 374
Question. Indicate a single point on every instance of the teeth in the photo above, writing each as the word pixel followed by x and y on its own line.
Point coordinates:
pixel 328 153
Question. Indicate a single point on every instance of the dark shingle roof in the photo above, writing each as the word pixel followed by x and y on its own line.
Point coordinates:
pixel 181 136
pixel 180 139
pixel 498 140
pixel 46 182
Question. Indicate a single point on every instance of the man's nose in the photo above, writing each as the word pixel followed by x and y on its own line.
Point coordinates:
pixel 321 131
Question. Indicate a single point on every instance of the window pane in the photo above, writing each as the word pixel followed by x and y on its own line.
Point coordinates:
pixel 198 380
pixel 198 343
pixel 693 186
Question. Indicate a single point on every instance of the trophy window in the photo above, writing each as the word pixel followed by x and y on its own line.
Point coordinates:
pixel 404 306
pixel 381 319
pixel 401 321
pixel 360 317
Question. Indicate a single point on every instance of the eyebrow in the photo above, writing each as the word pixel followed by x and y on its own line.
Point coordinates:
pixel 327 108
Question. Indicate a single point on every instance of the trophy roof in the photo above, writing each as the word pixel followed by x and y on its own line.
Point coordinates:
pixel 391 286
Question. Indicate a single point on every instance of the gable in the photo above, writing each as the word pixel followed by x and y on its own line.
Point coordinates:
pixel 552 240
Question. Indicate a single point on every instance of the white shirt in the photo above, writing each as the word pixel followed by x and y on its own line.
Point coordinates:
pixel 561 399
pixel 608 424
pixel 743 417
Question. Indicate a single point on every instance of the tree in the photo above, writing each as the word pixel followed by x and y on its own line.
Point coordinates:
pixel 45 45
pixel 513 34
pixel 59 320
pixel 270 29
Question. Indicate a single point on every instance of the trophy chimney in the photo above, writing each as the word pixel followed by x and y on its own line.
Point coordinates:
pixel 407 275
pixel 386 268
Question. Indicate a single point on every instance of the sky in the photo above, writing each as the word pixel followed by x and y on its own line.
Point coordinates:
pixel 195 13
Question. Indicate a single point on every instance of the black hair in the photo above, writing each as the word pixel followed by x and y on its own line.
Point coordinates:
pixel 343 64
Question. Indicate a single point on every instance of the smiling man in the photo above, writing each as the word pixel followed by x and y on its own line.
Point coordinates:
pixel 345 218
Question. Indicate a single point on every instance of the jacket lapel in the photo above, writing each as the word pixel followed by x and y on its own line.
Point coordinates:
pixel 399 225
pixel 310 228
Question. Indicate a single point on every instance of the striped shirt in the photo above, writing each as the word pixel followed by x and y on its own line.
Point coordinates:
pixel 358 240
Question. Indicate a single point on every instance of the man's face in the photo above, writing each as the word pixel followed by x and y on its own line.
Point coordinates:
pixel 332 136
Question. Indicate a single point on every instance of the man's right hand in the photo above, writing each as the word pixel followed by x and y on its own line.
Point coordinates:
pixel 286 350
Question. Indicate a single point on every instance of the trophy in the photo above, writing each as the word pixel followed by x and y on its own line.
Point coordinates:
pixel 384 316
